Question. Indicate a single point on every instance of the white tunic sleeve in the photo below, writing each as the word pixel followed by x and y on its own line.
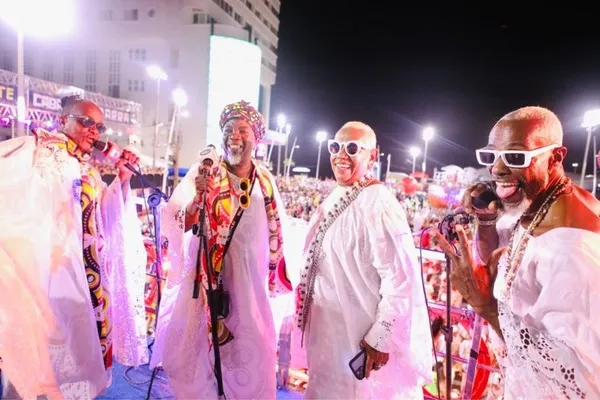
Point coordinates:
pixel 566 299
pixel 125 265
pixel 552 316
pixel 393 255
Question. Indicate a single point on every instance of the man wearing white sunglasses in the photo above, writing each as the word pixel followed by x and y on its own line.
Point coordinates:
pixel 360 300
pixel 540 293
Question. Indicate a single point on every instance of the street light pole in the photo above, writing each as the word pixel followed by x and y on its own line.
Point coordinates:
pixel 21 100
pixel 321 136
pixel 585 155
pixel 156 116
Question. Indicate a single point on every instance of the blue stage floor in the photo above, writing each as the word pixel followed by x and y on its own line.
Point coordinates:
pixel 140 377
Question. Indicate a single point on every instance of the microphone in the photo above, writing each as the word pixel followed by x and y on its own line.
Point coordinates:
pixel 111 152
pixel 448 225
pixel 209 159
pixel 483 201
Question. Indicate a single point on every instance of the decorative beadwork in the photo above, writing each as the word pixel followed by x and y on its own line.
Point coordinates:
pixel 315 253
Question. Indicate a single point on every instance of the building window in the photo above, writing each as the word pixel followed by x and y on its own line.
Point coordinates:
pixel 28 65
pixel 198 18
pixel 90 71
pixel 6 62
pixel 136 86
pixel 114 73
pixel 238 18
pixel 68 68
pixel 131 15
pixel 48 71
pixel 137 54
pixel 225 6
pixel 249 4
pixel 106 15
pixel 174 59
pixel 273 48
pixel 273 29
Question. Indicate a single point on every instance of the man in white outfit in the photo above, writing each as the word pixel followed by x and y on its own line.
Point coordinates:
pixel 244 259
pixel 538 285
pixel 362 287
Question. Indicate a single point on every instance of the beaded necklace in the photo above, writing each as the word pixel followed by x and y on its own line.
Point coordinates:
pixel 514 260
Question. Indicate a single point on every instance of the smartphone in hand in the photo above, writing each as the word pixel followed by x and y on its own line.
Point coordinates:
pixel 358 364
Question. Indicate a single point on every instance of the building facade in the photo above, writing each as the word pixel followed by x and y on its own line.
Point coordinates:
pixel 201 45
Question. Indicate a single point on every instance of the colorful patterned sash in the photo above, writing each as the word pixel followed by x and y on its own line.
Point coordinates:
pixel 88 192
pixel 220 205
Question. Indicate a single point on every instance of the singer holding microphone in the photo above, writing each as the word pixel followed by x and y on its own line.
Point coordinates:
pixel 82 240
pixel 244 214
pixel 535 274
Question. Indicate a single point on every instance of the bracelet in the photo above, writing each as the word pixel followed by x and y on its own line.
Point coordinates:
pixel 196 209
pixel 490 222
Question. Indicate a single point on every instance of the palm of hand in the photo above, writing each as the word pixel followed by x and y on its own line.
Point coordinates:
pixel 475 283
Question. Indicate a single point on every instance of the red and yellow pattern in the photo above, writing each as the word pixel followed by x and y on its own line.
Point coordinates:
pixel 89 197
pixel 220 204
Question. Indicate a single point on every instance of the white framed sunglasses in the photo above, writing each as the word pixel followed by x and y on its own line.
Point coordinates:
pixel 352 147
pixel 511 158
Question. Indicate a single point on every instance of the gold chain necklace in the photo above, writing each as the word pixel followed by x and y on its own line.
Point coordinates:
pixel 514 261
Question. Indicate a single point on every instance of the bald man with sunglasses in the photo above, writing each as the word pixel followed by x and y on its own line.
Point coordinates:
pixel 82 241
pixel 535 272
pixel 360 305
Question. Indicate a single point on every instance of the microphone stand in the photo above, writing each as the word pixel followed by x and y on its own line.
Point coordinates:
pixel 153 202
pixel 199 230
pixel 447 228
pixel 447 330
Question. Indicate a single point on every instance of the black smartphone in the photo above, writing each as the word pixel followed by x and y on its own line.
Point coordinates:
pixel 358 364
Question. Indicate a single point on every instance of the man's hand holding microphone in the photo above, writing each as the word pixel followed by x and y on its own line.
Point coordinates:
pixel 204 181
pixel 475 282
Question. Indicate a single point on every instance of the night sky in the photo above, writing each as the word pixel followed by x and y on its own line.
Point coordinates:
pixel 457 68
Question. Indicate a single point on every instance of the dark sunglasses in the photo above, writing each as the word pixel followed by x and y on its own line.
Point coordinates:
pixel 89 122
pixel 245 197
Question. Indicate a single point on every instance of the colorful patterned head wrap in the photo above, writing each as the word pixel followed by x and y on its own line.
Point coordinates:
pixel 243 110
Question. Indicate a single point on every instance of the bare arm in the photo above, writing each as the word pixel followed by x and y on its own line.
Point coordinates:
pixel 191 215
pixel 487 241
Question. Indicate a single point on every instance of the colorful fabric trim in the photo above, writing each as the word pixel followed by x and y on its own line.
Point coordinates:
pixel 220 204
pixel 243 110
pixel 88 193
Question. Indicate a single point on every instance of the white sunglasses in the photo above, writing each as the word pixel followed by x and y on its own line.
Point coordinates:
pixel 511 158
pixel 352 147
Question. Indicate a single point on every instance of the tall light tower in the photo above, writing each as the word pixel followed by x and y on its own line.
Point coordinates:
pixel 155 72
pixel 591 119
pixel 428 134
pixel 414 152
pixel 321 137
pixel 34 18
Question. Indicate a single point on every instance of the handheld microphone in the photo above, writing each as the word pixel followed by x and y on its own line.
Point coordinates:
pixel 448 225
pixel 209 158
pixel 111 152
pixel 483 201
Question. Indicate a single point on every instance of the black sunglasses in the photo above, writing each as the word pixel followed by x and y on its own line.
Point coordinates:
pixel 89 122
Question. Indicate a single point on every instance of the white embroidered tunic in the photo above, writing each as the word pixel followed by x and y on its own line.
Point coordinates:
pixel 551 321
pixel 41 234
pixel 368 286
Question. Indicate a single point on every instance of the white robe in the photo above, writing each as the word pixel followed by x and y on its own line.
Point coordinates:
pixel 42 233
pixel 550 323
pixel 368 285
pixel 248 361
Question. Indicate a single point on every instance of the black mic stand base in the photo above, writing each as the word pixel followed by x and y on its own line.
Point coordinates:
pixel 447 330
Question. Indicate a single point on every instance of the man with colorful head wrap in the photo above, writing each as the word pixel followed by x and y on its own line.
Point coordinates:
pixel 243 259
